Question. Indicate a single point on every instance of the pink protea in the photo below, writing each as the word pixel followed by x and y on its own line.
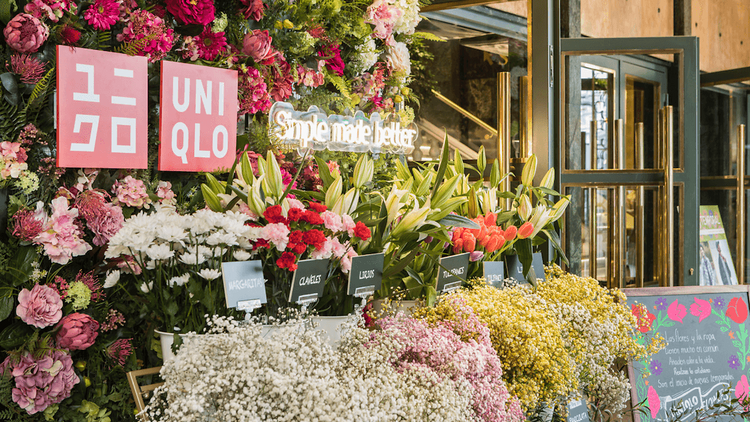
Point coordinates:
pixel 29 68
pixel 77 332
pixel 40 382
pixel 25 33
pixel 120 350
pixel 142 24
pixel 200 12
pixel 102 14
pixel 253 92
pixel 131 192
pixel 257 44
pixel 39 307
pixel 27 225
pixel 210 44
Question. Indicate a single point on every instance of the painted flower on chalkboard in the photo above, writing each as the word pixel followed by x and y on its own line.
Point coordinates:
pixel 742 389
pixel 661 304
pixel 700 308
pixel 643 316
pixel 737 310
pixel 719 303
pixel 654 403
pixel 676 311
pixel 655 367
pixel 734 362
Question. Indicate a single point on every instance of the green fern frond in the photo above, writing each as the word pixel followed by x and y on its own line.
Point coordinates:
pixel 12 120
pixel 427 36
pixel 339 83
pixel 42 87
pixel 104 37
pixel 133 48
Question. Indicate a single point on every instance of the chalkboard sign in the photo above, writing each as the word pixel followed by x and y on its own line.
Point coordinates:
pixel 494 273
pixel 244 285
pixel 515 267
pixel 456 268
pixel 366 274
pixel 706 330
pixel 578 410
pixel 309 281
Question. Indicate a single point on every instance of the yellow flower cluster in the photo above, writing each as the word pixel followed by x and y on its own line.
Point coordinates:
pixel 536 365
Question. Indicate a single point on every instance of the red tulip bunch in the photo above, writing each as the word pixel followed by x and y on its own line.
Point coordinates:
pixel 489 237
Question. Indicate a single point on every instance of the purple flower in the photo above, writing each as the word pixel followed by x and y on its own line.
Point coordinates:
pixel 655 367
pixel 476 256
pixel 734 363
pixel 719 303
pixel 661 304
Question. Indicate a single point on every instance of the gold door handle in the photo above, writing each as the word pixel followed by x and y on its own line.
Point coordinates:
pixel 640 222
pixel 666 126
pixel 503 129
pixel 620 232
pixel 741 204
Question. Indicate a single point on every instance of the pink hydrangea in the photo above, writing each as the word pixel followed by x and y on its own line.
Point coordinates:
pixel 200 12
pixel 77 331
pixel 25 33
pixel 310 77
pixel 277 234
pixel 49 9
pixel 61 237
pixel 102 14
pixel 252 91
pixel 40 383
pixel 131 192
pixel 142 24
pixel 40 307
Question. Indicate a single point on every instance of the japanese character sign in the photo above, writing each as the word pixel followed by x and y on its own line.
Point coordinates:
pixel 102 109
pixel 198 113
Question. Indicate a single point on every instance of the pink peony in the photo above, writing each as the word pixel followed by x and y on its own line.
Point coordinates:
pixel 102 14
pixel 131 192
pixel 332 55
pixel 25 33
pixel 384 17
pixel 255 9
pixel 257 44
pixel 40 383
pixel 77 332
pixel 61 237
pixel 200 12
pixel 40 307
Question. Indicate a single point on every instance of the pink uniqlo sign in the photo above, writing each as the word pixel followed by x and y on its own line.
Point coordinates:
pixel 102 109
pixel 198 127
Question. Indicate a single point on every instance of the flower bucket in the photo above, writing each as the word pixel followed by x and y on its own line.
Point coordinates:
pixel 379 308
pixel 166 340
pixel 332 327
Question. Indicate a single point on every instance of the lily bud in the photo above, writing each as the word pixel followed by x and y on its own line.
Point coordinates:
pixel 413 219
pixel 524 208
pixel 334 192
pixel 549 178
pixel 529 170
pixel 558 209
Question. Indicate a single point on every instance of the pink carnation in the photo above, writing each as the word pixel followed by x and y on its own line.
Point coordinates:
pixel 131 192
pixel 277 234
pixel 349 224
pixel 77 332
pixel 200 12
pixel 25 33
pixel 40 383
pixel 332 221
pixel 40 307
pixel 102 14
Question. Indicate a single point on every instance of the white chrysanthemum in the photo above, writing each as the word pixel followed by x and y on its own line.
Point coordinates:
pixel 209 273
pixel 145 288
pixel 179 281
pixel 171 233
pixel 241 255
pixel 112 278
pixel 160 252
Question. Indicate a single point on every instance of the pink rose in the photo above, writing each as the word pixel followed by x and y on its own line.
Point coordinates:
pixel 192 11
pixel 40 307
pixel 77 332
pixel 257 44
pixel 25 33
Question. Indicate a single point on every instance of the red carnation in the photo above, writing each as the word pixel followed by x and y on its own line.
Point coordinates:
pixel 70 36
pixel 314 238
pixel 295 236
pixel 361 231
pixel 295 214
pixel 273 214
pixel 312 217
pixel 287 260
pixel 318 207
pixel 261 243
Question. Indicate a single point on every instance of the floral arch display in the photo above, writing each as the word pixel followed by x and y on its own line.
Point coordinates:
pixel 147 186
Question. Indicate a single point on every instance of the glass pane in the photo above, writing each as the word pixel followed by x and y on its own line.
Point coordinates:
pixel 640 236
pixel 597 107
pixel 641 114
pixel 717 151
pixel 726 199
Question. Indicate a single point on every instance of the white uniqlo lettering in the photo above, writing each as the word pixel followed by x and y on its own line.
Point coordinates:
pixel 202 96
pixel 123 121
pixel 89 96
pixel 123 73
pixel 181 107
pixel 85 118
pixel 220 153
pixel 180 152
pixel 198 153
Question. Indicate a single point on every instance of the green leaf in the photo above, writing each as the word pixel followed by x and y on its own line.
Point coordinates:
pixel 6 307
pixel 430 295
pixel 554 238
pixel 453 220
pixel 414 275
pixel 400 265
pixel 444 157
pixel 525 255
pixel 14 335
pixel 324 172
pixel 724 329
pixel 495 175
pixel 5 11
pixel 172 309
pixel 429 36
pixel 20 266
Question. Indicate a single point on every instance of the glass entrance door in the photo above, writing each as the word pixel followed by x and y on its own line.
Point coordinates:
pixel 628 158
pixel 725 114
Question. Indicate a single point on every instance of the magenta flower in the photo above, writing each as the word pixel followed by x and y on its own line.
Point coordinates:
pixel 210 44
pixel 476 256
pixel 25 33
pixel 654 402
pixel 700 308
pixel 39 383
pixel 102 14
pixel 29 68
pixel 676 311
pixel 252 91
pixel 77 332
pixel 199 12
pixel 40 307
pixel 332 55
pixel 119 351
pixel 742 389
pixel 27 225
